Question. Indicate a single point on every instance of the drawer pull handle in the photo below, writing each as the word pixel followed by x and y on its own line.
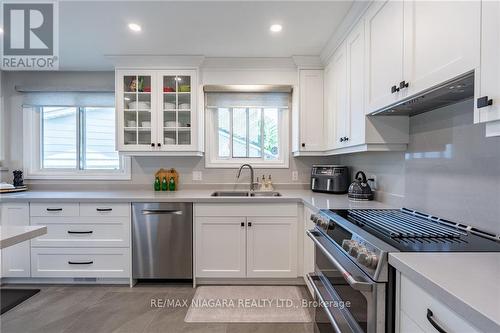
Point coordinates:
pixel 104 209
pixel 54 209
pixel 433 323
pixel 80 232
pixel 80 262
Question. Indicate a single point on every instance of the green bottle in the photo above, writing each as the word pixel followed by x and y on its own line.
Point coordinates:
pixel 171 184
pixel 157 184
pixel 164 185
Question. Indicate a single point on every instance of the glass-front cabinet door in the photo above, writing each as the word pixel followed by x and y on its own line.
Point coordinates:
pixel 136 114
pixel 177 109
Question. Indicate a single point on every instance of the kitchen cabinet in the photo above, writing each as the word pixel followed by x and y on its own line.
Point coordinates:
pixel 413 304
pixel 83 240
pixel 16 258
pixel 441 42
pixel 487 92
pixel 271 246
pixel 412 46
pixel 349 129
pixel 310 110
pixel 338 91
pixel 246 241
pixel 220 246
pixel 156 112
pixel 384 24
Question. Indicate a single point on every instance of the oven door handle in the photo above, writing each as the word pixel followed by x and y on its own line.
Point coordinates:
pixel 323 303
pixel 355 284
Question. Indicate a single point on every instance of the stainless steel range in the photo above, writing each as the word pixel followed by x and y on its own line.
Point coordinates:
pixel 353 280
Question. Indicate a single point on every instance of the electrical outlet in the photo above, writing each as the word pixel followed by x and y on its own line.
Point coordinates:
pixel 295 176
pixel 197 176
pixel 373 183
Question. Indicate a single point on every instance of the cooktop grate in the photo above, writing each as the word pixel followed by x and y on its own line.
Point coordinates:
pixel 406 225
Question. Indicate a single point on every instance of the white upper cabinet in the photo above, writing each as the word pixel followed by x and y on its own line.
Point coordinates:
pixel 355 123
pixel 339 95
pixel 384 53
pixel 311 110
pixel 441 42
pixel 329 108
pixel 156 112
pixel 488 92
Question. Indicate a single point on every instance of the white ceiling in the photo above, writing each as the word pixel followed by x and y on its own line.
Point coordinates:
pixel 90 30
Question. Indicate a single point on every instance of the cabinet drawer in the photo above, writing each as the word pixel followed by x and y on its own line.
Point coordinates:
pixel 71 262
pixel 414 303
pixel 104 209
pixel 55 209
pixel 83 232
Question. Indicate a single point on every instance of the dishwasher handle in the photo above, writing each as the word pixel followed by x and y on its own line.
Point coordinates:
pixel 161 212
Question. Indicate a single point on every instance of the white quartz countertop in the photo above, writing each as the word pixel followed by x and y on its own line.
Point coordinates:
pixel 468 283
pixel 309 198
pixel 12 235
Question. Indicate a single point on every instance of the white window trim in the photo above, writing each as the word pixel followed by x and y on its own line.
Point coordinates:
pixel 31 157
pixel 211 147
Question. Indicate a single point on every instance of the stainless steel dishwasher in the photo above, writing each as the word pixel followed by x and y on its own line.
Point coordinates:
pixel 162 240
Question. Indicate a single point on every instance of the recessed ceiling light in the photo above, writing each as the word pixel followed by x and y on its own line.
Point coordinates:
pixel 134 27
pixel 276 28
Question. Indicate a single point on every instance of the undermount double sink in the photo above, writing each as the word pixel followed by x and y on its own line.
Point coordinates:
pixel 244 194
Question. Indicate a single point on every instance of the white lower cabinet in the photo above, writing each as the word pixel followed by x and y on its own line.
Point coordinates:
pixel 253 240
pixel 83 240
pixel 15 259
pixel 414 304
pixel 80 262
pixel 271 247
pixel 220 247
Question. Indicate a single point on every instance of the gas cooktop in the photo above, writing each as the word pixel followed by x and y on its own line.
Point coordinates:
pixel 412 231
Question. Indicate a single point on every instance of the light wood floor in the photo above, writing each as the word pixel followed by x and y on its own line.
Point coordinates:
pixel 107 309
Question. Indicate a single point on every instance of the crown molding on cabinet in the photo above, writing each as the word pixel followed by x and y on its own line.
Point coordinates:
pixel 308 62
pixel 353 16
pixel 155 61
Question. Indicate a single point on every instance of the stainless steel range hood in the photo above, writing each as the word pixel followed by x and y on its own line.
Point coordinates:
pixel 450 92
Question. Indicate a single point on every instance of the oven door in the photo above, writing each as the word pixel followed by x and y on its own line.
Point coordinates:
pixel 349 301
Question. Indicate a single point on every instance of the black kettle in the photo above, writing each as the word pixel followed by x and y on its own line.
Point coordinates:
pixel 359 188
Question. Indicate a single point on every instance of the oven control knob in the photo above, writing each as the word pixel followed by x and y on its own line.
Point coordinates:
pixel 313 217
pixel 374 261
pixel 346 244
pixel 331 225
pixel 355 249
pixel 364 257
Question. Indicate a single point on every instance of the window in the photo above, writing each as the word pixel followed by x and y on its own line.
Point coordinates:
pixel 247 128
pixel 74 142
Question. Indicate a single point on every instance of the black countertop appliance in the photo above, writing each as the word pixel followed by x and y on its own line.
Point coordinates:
pixel 330 179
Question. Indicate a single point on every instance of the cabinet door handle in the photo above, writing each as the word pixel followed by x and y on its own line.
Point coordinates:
pixel 152 144
pixel 483 102
pixel 403 84
pixel 249 224
pixel 54 209
pixel 341 139
pixel 242 224
pixel 80 262
pixel 104 209
pixel 303 144
pixel 394 89
pixel 159 144
pixel 346 138
pixel 80 232
pixel 433 322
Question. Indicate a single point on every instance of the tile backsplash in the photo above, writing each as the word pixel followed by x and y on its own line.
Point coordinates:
pixel 450 169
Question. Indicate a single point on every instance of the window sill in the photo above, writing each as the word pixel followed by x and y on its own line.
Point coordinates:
pixel 49 176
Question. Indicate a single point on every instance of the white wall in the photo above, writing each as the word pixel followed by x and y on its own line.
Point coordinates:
pixel 450 169
pixel 263 71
